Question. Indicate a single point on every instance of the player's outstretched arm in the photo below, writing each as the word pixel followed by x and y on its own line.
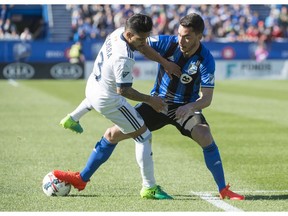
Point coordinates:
pixel 155 102
pixel 170 67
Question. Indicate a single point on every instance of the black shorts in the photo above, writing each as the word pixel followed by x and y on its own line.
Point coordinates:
pixel 155 120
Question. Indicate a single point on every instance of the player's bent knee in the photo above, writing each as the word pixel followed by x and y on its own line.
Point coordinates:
pixel 108 135
pixel 144 136
pixel 114 135
pixel 202 135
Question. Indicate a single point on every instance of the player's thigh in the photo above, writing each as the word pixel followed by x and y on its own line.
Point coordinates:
pixel 153 120
pixel 194 126
pixel 126 118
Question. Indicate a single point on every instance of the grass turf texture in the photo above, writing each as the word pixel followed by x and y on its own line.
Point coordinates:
pixel 248 120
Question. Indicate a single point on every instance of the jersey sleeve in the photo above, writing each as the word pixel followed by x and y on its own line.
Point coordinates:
pixel 160 43
pixel 123 72
pixel 207 70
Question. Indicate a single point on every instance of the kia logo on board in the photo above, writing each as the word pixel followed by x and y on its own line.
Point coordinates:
pixel 66 71
pixel 18 70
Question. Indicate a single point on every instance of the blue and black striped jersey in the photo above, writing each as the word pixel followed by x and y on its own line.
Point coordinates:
pixel 197 71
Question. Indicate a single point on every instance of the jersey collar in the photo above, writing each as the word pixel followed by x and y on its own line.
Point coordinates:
pixel 124 39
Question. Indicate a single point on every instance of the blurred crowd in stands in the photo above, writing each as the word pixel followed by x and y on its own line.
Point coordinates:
pixel 8 30
pixel 226 23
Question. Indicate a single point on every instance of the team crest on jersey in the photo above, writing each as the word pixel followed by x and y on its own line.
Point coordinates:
pixel 192 69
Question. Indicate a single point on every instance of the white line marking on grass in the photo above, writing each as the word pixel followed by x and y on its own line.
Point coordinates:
pixel 256 191
pixel 216 201
pixel 13 82
pixel 264 191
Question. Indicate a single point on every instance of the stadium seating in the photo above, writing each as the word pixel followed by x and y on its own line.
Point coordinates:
pixel 225 23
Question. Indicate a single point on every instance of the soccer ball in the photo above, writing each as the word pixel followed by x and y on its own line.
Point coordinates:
pixel 53 186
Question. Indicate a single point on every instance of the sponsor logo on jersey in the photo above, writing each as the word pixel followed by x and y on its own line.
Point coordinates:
pixel 185 78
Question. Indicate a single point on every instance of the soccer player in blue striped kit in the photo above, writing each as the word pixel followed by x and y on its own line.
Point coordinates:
pixel 185 97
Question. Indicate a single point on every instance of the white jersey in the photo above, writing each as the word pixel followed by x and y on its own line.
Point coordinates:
pixel 113 65
pixel 112 69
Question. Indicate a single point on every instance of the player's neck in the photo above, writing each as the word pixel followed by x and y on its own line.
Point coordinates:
pixel 126 39
pixel 192 51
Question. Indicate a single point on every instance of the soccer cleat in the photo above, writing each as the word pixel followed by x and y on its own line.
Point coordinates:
pixel 228 194
pixel 69 123
pixel 73 178
pixel 154 193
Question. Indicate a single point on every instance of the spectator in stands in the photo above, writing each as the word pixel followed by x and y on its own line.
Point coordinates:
pixel 94 33
pixel 1 24
pixel 2 36
pixel 26 34
pixel 276 32
pixel 254 18
pixel 271 19
pixel 12 36
pixel 252 33
pixel 75 53
pixel 261 53
pixel 7 25
pixel 283 20
pixel 4 12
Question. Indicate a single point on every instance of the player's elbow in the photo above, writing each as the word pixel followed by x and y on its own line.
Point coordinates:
pixel 205 101
pixel 208 102
pixel 122 91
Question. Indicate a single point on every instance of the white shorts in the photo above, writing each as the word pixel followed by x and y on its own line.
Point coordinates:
pixel 115 108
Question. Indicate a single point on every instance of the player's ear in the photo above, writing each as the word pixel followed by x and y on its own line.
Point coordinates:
pixel 129 35
pixel 199 36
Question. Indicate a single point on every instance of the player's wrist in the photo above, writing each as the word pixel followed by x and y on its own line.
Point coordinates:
pixel 164 62
pixel 191 107
pixel 147 99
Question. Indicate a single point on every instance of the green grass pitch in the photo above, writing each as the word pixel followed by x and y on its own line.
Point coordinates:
pixel 249 121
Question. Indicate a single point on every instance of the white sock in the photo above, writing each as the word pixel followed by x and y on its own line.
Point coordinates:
pixel 81 110
pixel 145 160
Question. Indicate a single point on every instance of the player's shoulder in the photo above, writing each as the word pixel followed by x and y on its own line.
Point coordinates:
pixel 205 51
pixel 206 54
pixel 162 38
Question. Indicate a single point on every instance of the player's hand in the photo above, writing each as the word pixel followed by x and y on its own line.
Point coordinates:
pixel 157 103
pixel 182 111
pixel 172 69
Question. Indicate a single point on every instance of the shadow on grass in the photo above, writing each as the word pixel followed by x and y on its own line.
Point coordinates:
pixel 267 197
pixel 185 197
pixel 94 195
pixel 193 197
pixel 176 197
pixel 83 195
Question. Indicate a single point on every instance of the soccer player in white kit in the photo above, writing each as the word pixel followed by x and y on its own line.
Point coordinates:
pixel 107 87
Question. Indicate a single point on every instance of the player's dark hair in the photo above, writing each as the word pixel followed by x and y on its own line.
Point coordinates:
pixel 139 23
pixel 193 21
